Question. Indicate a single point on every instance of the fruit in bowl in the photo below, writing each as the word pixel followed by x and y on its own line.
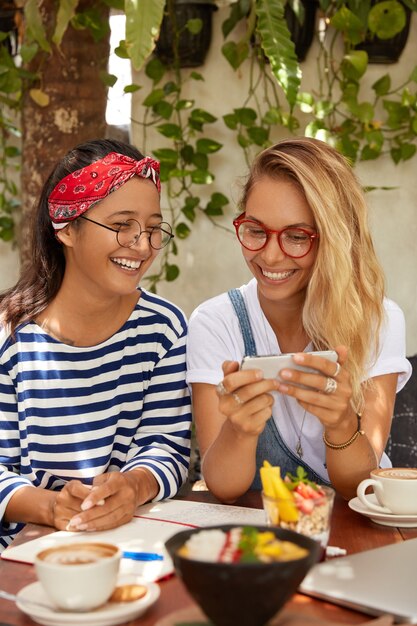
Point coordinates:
pixel 241 575
pixel 296 503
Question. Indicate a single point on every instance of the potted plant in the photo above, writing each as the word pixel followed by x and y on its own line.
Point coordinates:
pixel 185 33
pixel 380 28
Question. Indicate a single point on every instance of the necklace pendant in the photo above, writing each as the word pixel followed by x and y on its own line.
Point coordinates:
pixel 299 449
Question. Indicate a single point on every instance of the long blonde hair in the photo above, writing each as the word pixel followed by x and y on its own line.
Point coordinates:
pixel 344 299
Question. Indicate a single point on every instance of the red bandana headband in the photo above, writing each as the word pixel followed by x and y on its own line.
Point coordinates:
pixel 80 190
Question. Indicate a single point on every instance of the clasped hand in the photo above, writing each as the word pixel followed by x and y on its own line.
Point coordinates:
pixel 110 502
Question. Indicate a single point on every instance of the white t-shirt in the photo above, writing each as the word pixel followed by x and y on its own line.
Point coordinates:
pixel 214 336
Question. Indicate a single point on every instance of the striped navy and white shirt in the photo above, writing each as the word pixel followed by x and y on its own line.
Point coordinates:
pixel 76 412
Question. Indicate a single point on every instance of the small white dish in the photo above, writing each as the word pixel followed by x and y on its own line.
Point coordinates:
pixel 386 519
pixel 109 614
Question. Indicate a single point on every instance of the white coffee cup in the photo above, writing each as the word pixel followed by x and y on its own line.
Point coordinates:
pixel 78 576
pixel 395 489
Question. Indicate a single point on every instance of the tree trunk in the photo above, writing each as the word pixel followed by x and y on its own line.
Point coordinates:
pixel 76 109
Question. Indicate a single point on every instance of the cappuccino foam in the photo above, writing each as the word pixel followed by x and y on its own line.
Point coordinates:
pixel 77 554
pixel 401 473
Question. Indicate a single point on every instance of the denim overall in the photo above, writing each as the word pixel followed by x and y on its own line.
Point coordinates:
pixel 271 446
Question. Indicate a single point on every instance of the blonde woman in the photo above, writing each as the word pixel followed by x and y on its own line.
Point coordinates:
pixel 317 285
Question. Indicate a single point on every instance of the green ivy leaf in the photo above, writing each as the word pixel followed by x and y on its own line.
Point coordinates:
pixel 354 64
pixel 200 161
pixel 28 51
pixel 246 116
pixel 258 135
pixel 182 231
pixel 349 24
pixel 202 116
pixel 194 26
pixel 408 150
pixel 107 79
pixel 12 152
pixel 218 200
pixel 189 213
pixel 272 116
pixel 231 121
pixel 187 153
pixel 172 131
pixel 120 50
pixel 164 109
pixel 363 111
pixel 91 19
pixel 235 53
pixel 202 177
pixel 166 155
pixel 155 96
pixel 397 113
pixel 386 19
pixel 184 104
pixel 132 88
pixel 208 146
pixel 196 76
pixel 155 70
pixel 171 272
pixel 395 155
pixel 382 85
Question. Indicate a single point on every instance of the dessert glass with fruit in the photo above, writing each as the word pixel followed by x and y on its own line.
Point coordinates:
pixel 298 504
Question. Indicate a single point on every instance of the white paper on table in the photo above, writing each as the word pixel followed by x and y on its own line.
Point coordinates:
pixel 200 514
pixel 152 525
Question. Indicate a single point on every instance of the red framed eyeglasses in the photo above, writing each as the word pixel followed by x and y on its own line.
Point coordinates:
pixel 294 242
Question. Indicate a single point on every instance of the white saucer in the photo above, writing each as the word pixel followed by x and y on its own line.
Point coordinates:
pixel 386 519
pixel 110 614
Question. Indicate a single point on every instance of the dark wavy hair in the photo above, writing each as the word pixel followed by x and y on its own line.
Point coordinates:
pixel 42 277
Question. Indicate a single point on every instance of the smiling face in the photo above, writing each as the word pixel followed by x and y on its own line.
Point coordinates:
pixel 278 204
pixel 94 259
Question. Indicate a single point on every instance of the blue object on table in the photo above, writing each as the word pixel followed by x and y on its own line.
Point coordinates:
pixel 142 556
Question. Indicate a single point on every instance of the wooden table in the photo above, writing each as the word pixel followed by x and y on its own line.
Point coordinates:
pixel 349 530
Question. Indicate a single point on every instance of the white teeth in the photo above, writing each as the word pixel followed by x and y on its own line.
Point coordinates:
pixel 127 263
pixel 277 275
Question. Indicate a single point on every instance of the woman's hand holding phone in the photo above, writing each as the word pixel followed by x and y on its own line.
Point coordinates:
pixel 245 398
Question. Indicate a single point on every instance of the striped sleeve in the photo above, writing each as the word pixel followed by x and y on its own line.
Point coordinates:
pixel 162 443
pixel 10 452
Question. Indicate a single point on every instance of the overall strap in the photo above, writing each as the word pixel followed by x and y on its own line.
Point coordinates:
pixel 243 317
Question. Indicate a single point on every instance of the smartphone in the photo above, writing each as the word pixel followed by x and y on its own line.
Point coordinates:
pixel 272 364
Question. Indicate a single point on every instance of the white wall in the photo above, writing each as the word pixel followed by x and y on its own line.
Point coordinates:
pixel 210 259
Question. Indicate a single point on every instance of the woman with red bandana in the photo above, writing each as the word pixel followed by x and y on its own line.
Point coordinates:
pixel 317 285
pixel 94 408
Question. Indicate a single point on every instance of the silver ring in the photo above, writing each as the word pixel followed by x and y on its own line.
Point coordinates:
pixel 338 368
pixel 237 399
pixel 221 389
pixel 331 386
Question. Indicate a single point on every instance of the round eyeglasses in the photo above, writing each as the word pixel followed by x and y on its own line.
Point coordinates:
pixel 294 242
pixel 128 233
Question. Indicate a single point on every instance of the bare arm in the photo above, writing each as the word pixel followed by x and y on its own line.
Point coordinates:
pixel 349 466
pixel 228 431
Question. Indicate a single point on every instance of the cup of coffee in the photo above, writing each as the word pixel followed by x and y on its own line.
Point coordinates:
pixel 395 489
pixel 78 576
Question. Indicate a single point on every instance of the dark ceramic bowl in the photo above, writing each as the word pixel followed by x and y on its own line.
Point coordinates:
pixel 242 594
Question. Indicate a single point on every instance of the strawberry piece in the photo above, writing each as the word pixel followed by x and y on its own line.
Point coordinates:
pixel 306 506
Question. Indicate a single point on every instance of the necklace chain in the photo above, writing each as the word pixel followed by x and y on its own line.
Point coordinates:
pixel 298 448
